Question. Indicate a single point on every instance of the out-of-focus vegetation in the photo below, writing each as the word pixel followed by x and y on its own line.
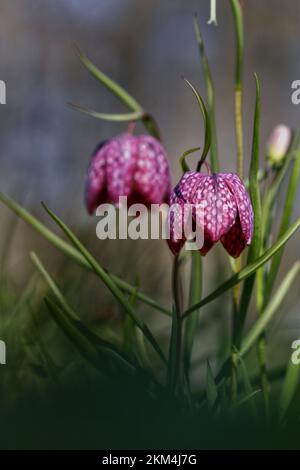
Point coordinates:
pixel 83 371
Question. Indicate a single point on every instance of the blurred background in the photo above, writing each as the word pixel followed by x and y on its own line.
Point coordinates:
pixel 147 46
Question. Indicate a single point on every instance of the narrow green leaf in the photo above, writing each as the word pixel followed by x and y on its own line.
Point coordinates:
pixel 247 271
pixel 8 236
pixel 289 388
pixel 211 387
pixel 52 285
pixel 98 359
pixel 286 217
pixel 73 253
pixel 125 117
pixel 262 175
pixel 210 93
pixel 174 362
pixel 129 328
pixel 148 120
pixel 207 130
pixel 89 340
pixel 268 313
pixel 255 248
pixel 110 84
pixel 249 392
pixel 254 188
pixel 108 281
pixel 183 163
pixel 48 362
pixel 274 189
pixel 247 398
pixel 25 297
pixel 239 59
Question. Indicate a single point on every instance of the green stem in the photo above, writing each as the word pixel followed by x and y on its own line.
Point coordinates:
pixel 264 291
pixel 239 36
pixel 246 271
pixel 210 93
pixel 239 132
pixel 264 381
pixel 73 253
pixel 190 327
pixel 175 347
pixel 148 120
pixel 286 217
pixel 239 56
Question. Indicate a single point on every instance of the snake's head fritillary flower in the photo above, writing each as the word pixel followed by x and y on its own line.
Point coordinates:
pixel 223 210
pixel 127 165
pixel 278 144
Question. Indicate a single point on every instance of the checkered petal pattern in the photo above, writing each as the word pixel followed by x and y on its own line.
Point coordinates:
pixel 127 165
pixel 227 213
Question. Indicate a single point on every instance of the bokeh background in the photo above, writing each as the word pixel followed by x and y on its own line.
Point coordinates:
pixel 147 46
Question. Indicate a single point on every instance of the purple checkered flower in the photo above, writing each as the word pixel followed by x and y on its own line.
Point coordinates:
pixel 128 165
pixel 225 206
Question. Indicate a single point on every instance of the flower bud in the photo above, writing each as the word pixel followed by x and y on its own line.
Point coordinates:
pixel 278 144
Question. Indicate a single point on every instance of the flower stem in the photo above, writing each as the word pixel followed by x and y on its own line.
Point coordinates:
pixel 262 344
pixel 234 377
pixel 210 93
pixel 239 131
pixel 235 308
pixel 239 36
pixel 264 381
pixel 239 58
pixel 176 337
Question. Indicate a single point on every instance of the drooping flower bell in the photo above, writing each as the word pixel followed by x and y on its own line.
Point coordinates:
pixel 128 165
pixel 226 212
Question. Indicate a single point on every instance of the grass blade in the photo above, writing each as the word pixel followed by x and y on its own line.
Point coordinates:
pixel 239 36
pixel 207 130
pixel 247 271
pixel 174 370
pixel 110 84
pixel 268 313
pixel 191 323
pixel 110 284
pixel 289 388
pixel 239 59
pixel 88 351
pixel 249 392
pixel 273 191
pixel 287 214
pixel 247 398
pixel 263 320
pixel 173 353
pixel 255 248
pixel 72 252
pixel 70 322
pixel 148 121
pixel 211 387
pixel 125 117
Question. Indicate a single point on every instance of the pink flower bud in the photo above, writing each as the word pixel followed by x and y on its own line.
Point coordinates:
pixel 278 143
pixel 127 165
pixel 227 211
